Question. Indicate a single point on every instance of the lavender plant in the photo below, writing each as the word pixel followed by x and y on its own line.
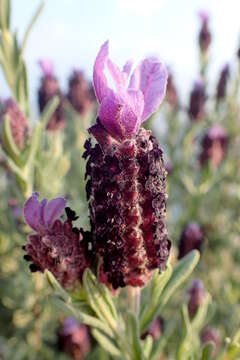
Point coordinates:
pixel 115 279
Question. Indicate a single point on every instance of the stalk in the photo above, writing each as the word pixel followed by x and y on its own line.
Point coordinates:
pixel 134 297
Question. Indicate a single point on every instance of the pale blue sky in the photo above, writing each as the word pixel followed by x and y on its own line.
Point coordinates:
pixel 70 33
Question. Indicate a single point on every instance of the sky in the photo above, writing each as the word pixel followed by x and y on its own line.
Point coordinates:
pixel 70 33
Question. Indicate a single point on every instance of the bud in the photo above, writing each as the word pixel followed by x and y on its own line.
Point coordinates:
pixel 74 339
pixel 205 36
pixel 214 145
pixel 126 188
pixel 171 94
pixel 79 92
pixel 222 83
pixel 155 329
pixel 56 245
pixel 48 89
pixel 211 334
pixel 197 101
pixel 196 296
pixel 18 122
pixel 191 238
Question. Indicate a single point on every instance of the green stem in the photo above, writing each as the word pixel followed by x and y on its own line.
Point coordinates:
pixel 134 297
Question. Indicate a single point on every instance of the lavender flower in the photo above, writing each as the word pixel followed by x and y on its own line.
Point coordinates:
pixel 211 334
pixel 79 92
pixel 48 89
pixel 155 329
pixel 222 83
pixel 192 237
pixel 196 296
pixel 74 339
pixel 18 122
pixel 55 245
pixel 197 101
pixel 205 36
pixel 126 188
pixel 171 94
pixel 214 145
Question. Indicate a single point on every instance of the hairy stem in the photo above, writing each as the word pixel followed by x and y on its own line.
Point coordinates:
pixel 134 297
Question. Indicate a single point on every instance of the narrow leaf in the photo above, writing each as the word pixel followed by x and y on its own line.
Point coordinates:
pixel 207 351
pixel 30 26
pixel 181 272
pixel 107 344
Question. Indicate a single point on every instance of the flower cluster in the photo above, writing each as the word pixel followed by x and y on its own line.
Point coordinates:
pixel 48 89
pixel 56 245
pixel 214 146
pixel 192 237
pixel 18 122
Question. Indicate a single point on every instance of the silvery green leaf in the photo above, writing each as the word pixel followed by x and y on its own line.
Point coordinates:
pixel 96 300
pixel 180 273
pixel 30 26
pixel 5 14
pixel 150 310
pixel 107 343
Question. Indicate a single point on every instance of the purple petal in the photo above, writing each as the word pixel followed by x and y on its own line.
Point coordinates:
pixel 47 67
pixel 150 77
pixel 117 114
pixel 118 77
pixel 99 79
pixel 31 211
pixel 53 210
pixel 128 67
pixel 42 207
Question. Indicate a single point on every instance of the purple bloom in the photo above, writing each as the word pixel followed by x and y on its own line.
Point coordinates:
pixel 74 339
pixel 214 146
pixel 155 329
pixel 126 185
pixel 211 335
pixel 18 122
pixel 122 111
pixel 56 245
pixel 48 89
pixel 171 94
pixel 197 101
pixel 205 36
pixel 47 67
pixel 192 237
pixel 222 83
pixel 196 296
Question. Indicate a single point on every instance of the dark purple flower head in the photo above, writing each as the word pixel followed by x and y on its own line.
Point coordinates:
pixel 196 296
pixel 214 146
pixel 74 339
pixel 79 92
pixel 56 245
pixel 222 83
pixel 155 329
pixel 171 93
pixel 192 237
pixel 197 101
pixel 48 89
pixel 211 335
pixel 18 122
pixel 122 111
pixel 205 36
pixel 126 188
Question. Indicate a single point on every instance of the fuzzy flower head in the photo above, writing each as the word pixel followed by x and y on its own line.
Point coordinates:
pixel 55 245
pixel 135 98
